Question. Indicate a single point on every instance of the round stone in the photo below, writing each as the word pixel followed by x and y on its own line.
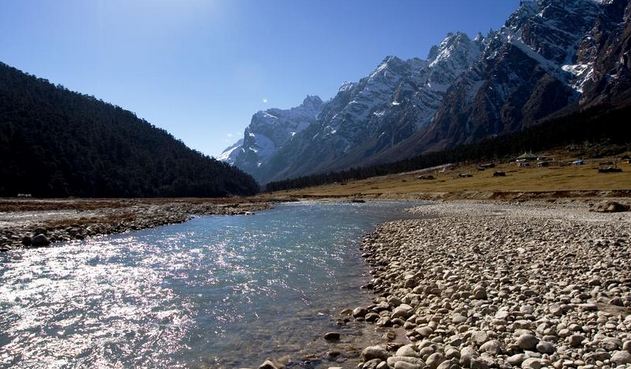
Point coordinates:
pixel 527 342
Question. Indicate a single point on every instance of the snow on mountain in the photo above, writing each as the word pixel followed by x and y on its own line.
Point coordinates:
pixel 536 65
pixel 550 56
pixel 366 117
pixel 268 131
pixel 230 153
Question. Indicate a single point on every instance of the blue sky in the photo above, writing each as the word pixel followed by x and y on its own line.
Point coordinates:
pixel 201 68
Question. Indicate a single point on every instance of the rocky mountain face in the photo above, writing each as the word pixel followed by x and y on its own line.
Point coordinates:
pixel 365 118
pixel 269 131
pixel 551 57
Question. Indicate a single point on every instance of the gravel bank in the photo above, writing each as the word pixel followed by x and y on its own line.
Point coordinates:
pixel 37 223
pixel 498 286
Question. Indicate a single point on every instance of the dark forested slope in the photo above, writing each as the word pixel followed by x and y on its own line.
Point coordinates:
pixel 55 142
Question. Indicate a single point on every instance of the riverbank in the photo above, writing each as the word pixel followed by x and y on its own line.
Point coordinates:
pixel 40 222
pixel 500 285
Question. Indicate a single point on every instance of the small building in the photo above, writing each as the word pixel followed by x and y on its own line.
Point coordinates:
pixel 527 156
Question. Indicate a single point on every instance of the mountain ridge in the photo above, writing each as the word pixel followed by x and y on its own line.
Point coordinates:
pixel 550 58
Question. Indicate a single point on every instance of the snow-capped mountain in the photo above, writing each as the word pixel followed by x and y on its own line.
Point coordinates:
pixel 366 117
pixel 545 61
pixel 268 131
pixel 550 57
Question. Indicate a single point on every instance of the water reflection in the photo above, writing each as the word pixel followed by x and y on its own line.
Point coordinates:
pixel 215 291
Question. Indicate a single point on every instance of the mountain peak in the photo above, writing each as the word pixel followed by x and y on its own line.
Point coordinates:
pixel 312 101
pixel 451 42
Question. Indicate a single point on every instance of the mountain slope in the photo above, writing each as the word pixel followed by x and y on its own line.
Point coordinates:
pixel 551 58
pixel 268 131
pixel 396 100
pixel 54 142
pixel 544 62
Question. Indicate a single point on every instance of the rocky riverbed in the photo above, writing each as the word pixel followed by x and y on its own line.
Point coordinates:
pixel 479 285
pixel 38 223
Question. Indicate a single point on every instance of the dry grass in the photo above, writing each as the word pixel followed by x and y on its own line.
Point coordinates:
pixel 555 178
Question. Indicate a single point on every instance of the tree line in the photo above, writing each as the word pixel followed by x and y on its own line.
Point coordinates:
pixel 58 143
pixel 604 123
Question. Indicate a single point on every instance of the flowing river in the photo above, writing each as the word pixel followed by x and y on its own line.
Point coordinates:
pixel 214 292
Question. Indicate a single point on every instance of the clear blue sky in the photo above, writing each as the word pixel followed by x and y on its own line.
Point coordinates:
pixel 201 68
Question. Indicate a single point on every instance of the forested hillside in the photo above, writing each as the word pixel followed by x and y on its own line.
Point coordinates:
pixel 55 142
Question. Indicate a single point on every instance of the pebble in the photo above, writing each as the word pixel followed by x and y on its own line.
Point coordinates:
pixel 374 352
pixel 529 288
pixel 527 342
pixel 621 358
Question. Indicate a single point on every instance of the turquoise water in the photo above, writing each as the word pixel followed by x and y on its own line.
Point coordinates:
pixel 217 291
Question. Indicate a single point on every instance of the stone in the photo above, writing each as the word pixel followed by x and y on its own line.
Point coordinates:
pixel 611 207
pixel 458 319
pixel 516 359
pixel 407 350
pixel 39 241
pixel 391 361
pixel 492 347
pixel 611 344
pixel 424 331
pixel 626 346
pixel 371 364
pixel 449 364
pixel 477 363
pixel 480 293
pixel 406 365
pixel 268 364
pixel 452 353
pixel 621 357
pixel 402 311
pixel 479 337
pixel 374 352
pixel 502 314
pixel 466 355
pixel 527 342
pixel 434 360
pixel 576 340
pixel 360 312
pixel 545 347
pixel 332 336
pixel 531 363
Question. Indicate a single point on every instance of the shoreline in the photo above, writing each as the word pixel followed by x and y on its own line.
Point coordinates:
pixel 29 223
pixel 494 284
pixel 437 298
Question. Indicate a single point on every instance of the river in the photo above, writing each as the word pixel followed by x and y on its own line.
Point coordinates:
pixel 214 292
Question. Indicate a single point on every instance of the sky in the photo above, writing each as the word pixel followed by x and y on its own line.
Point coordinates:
pixel 201 68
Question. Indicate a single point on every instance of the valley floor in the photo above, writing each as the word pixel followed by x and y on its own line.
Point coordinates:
pixel 22 221
pixel 505 181
pixel 479 284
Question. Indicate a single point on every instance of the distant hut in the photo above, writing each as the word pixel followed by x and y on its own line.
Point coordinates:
pixel 524 159
pixel 527 156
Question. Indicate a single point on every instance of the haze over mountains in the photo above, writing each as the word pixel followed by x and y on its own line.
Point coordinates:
pixel 552 57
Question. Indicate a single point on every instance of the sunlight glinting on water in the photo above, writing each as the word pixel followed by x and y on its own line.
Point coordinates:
pixel 215 291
